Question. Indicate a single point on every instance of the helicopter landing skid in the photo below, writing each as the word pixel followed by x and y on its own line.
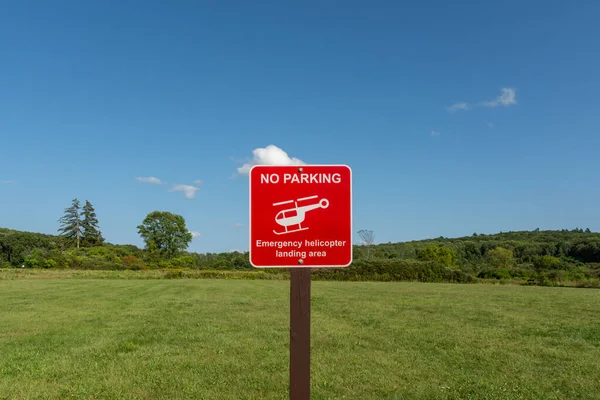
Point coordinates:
pixel 289 231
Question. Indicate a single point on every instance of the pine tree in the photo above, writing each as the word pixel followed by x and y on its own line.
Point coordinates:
pixel 91 232
pixel 71 223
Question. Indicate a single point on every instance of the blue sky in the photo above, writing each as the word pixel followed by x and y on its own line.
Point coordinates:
pixel 96 94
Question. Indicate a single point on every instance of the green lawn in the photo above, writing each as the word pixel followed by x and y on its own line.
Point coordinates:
pixel 228 339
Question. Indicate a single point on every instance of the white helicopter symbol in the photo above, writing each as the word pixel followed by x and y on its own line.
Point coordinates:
pixel 296 215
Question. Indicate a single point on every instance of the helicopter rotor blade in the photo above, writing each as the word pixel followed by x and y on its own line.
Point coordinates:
pixel 283 202
pixel 308 198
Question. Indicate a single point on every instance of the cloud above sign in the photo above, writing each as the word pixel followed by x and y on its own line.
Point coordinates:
pixel 508 97
pixel 189 191
pixel 149 179
pixel 270 155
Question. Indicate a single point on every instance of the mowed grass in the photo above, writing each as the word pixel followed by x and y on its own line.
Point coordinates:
pixel 224 339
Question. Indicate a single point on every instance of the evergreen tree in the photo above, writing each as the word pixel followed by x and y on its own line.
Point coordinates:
pixel 71 223
pixel 90 231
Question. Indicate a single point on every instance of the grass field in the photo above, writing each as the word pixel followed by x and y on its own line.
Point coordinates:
pixel 228 339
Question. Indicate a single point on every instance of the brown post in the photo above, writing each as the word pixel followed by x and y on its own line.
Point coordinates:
pixel 300 334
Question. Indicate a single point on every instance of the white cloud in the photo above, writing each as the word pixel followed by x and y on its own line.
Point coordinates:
pixel 490 124
pixel 188 191
pixel 458 106
pixel 9 182
pixel 435 133
pixel 507 98
pixel 149 179
pixel 198 181
pixel 270 155
pixel 237 225
pixel 195 234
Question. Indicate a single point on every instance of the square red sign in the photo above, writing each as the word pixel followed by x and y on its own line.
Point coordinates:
pixel 300 216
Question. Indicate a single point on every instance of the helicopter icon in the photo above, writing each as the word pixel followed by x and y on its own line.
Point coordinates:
pixel 295 216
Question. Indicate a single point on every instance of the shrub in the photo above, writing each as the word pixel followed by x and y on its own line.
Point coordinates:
pixel 500 257
pixel 58 257
pixel 556 276
pixel 99 264
pixel 546 262
pixel 393 270
pixel 182 262
pixel 492 273
pixel 133 263
pixel 102 252
pixel 521 273
pixel 438 254
pixel 34 258
pixel 174 274
pixel 123 250
pixel 73 259
pixel 164 264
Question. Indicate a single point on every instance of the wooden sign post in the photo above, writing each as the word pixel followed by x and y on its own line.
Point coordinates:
pixel 300 334
pixel 300 218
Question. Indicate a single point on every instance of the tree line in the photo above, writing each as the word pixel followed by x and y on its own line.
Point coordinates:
pixel 541 257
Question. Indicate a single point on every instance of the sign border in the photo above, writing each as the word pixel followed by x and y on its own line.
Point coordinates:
pixel 299 265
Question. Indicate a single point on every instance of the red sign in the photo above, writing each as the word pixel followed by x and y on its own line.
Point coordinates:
pixel 300 216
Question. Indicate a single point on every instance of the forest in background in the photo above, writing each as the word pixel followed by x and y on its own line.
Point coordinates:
pixel 533 257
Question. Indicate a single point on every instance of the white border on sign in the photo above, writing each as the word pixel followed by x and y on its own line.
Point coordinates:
pixel 299 265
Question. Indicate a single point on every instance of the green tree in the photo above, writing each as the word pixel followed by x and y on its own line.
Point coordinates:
pixel 500 257
pixel 546 262
pixel 91 233
pixel 439 254
pixel 70 223
pixel 165 232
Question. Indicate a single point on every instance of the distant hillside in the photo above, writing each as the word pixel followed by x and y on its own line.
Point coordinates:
pixel 541 256
pixel 578 244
